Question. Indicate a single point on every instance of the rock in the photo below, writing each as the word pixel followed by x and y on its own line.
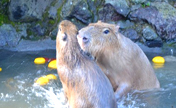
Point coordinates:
pixel 132 34
pixel 76 9
pixel 121 6
pixel 170 58
pixel 108 13
pixel 38 30
pixel 2 39
pixel 149 33
pixel 81 12
pixel 125 24
pixel 175 5
pixel 53 11
pixel 27 10
pixel 68 7
pixel 94 6
pixel 27 45
pixel 154 43
pixel 149 49
pixel 22 29
pixel 138 1
pixel 8 36
pixel 161 15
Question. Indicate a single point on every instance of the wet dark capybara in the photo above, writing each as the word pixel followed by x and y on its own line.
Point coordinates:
pixel 84 84
pixel 123 62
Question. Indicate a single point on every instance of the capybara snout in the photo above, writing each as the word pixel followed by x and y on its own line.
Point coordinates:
pixel 85 38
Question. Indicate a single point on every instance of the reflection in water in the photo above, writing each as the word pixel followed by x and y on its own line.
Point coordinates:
pixel 17 88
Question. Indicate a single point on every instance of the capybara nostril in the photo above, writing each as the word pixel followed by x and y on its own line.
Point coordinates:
pixel 85 39
pixel 64 37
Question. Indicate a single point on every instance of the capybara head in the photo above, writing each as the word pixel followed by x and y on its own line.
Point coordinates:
pixel 66 34
pixel 66 42
pixel 97 37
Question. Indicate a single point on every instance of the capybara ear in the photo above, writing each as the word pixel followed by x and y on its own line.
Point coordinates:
pixel 99 21
pixel 117 29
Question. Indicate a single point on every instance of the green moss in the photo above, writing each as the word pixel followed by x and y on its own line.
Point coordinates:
pixel 53 38
pixel 39 22
pixel 52 22
pixel 147 4
pixel 60 10
pixel 5 1
pixel 4 19
pixel 29 32
pixel 170 44
pixel 59 14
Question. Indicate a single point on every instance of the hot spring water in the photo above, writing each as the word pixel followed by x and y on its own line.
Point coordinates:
pixel 17 88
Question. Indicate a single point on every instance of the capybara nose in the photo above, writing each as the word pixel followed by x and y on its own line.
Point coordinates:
pixel 85 39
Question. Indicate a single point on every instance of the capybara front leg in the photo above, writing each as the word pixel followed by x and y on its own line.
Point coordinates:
pixel 122 90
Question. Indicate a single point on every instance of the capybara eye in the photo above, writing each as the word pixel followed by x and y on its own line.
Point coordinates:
pixel 106 31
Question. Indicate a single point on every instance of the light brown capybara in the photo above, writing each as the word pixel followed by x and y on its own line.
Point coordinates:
pixel 84 84
pixel 123 62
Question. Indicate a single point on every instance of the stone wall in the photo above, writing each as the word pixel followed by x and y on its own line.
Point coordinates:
pixel 150 22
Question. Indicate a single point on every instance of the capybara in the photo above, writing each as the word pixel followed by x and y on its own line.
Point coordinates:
pixel 84 83
pixel 123 62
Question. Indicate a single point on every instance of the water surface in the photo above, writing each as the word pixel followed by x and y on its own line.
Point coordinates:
pixel 17 88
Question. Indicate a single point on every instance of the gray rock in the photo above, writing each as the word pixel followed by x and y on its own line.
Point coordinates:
pixel 27 45
pixel 76 9
pixel 170 58
pixel 154 43
pixel 149 33
pixel 121 6
pixel 8 35
pixel 138 1
pixel 108 13
pixel 161 15
pixel 52 12
pixel 22 29
pixel 132 34
pixel 148 49
pixel 54 9
pixel 81 12
pixel 125 24
pixel 68 7
pixel 27 10
pixel 94 6
pixel 38 30
pixel 2 39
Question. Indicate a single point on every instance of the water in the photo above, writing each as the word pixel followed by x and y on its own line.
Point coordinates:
pixel 17 88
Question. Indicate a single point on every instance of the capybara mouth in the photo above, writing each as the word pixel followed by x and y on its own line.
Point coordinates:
pixel 89 55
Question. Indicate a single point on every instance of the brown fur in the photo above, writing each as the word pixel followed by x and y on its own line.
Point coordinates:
pixel 84 84
pixel 123 62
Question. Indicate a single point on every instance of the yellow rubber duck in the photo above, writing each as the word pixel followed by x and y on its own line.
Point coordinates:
pixel 51 77
pixel 158 59
pixel 52 64
pixel 40 60
pixel 0 69
pixel 42 81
